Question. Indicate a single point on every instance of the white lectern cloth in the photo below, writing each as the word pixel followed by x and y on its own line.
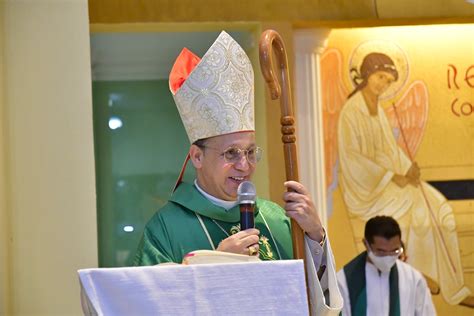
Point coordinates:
pixel 260 288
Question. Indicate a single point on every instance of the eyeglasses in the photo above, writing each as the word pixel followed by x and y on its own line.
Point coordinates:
pixel 382 253
pixel 234 154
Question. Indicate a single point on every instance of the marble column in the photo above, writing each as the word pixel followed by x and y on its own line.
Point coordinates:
pixel 309 45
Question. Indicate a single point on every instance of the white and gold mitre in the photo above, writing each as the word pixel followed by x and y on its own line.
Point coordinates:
pixel 218 95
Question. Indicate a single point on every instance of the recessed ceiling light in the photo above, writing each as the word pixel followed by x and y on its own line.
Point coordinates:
pixel 128 229
pixel 115 122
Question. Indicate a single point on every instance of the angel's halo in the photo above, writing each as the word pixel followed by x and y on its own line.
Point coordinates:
pixel 388 48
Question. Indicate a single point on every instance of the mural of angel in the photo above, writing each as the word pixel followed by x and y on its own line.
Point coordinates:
pixel 372 149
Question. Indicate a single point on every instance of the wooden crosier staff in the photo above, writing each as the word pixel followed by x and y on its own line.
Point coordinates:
pixel 271 39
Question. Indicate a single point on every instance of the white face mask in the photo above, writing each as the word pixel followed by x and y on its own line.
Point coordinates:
pixel 385 263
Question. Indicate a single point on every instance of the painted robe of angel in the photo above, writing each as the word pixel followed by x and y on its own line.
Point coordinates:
pixel 377 177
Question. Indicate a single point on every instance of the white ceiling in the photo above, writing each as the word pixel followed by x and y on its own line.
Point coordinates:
pixel 148 56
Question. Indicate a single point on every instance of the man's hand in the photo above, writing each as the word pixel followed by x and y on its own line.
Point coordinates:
pixel 300 207
pixel 244 242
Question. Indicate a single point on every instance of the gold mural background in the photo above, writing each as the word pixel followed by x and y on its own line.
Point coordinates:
pixel 442 57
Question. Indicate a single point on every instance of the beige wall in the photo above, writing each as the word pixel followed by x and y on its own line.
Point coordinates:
pixel 49 154
pixel 4 218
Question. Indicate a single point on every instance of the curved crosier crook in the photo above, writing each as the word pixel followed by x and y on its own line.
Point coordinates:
pixel 270 43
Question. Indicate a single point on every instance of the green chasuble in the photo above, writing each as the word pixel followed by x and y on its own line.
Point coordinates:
pixel 175 229
pixel 356 284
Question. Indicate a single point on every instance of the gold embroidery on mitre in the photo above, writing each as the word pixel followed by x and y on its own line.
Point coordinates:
pixel 218 96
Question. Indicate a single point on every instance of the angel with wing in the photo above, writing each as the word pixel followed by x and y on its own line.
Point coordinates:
pixel 372 150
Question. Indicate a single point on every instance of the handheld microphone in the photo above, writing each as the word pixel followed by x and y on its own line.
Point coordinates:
pixel 246 195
